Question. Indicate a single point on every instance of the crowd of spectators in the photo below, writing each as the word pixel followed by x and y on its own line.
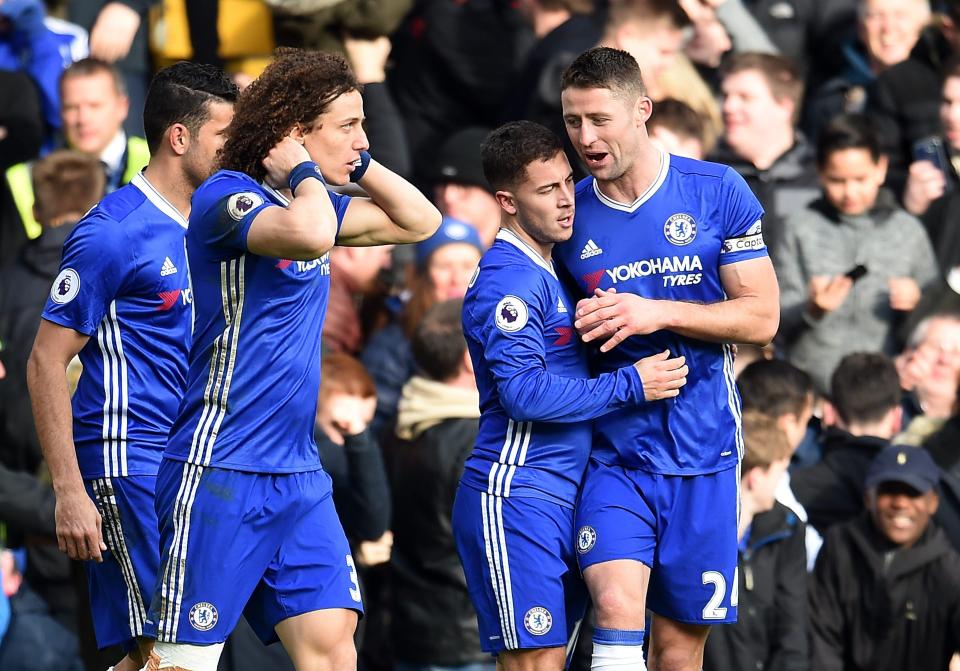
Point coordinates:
pixel 843 116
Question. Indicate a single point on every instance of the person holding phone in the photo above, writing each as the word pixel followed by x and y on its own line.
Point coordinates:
pixel 932 172
pixel 853 262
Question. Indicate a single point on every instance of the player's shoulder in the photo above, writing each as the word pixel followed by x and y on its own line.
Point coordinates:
pixel 111 221
pixel 584 188
pixel 225 183
pixel 506 269
pixel 692 167
pixel 120 205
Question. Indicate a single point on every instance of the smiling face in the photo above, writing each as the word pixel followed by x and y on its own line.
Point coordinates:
pixel 900 512
pixel 751 113
pixel 890 29
pixel 337 138
pixel 605 128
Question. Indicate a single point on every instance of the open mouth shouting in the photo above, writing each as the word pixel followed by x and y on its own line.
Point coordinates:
pixel 595 159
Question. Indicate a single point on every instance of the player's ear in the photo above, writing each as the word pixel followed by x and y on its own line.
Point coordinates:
pixel 643 109
pixel 297 132
pixel 507 202
pixel 178 136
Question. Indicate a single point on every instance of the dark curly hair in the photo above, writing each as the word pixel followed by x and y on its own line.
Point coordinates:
pixel 296 88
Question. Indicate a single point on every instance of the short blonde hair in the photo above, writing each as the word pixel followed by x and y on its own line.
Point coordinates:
pixel 764 442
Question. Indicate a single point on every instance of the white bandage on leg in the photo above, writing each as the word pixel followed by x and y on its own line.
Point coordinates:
pixel 617 650
pixel 186 656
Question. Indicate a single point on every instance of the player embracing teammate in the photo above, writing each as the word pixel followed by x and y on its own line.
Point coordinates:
pixel 666 253
pixel 667 258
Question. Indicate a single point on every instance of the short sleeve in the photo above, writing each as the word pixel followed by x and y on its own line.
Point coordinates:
pixel 742 221
pixel 340 204
pixel 224 218
pixel 95 265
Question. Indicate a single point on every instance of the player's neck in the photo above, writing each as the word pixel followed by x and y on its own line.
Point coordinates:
pixel 168 179
pixel 638 179
pixel 544 249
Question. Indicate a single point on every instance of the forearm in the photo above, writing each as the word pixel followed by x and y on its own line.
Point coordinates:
pixel 536 395
pixel 50 399
pixel 747 319
pixel 415 218
pixel 303 231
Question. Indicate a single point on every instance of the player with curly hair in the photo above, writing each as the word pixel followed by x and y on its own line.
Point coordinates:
pixel 247 521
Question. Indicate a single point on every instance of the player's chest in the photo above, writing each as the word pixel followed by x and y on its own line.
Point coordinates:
pixel 162 278
pixel 652 255
pixel 564 351
pixel 294 279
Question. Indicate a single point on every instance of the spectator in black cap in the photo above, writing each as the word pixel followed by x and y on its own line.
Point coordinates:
pixel 459 188
pixel 885 592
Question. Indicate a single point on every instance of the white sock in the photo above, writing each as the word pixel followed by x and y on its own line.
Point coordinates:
pixel 617 650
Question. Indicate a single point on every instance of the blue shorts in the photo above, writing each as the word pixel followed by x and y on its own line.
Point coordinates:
pixel 262 545
pixel 521 569
pixel 120 586
pixel 683 527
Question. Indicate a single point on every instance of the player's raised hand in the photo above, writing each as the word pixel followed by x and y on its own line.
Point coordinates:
pixel 286 155
pixel 662 376
pixel 615 317
pixel 79 530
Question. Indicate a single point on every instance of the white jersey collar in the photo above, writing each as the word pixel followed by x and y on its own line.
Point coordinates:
pixel 155 197
pixel 507 235
pixel 276 194
pixel 645 196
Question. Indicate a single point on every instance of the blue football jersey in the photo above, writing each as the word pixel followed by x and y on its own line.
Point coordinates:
pixel 255 361
pixel 124 282
pixel 669 244
pixel 536 395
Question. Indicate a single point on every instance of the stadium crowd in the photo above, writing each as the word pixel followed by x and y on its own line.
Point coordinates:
pixel 842 116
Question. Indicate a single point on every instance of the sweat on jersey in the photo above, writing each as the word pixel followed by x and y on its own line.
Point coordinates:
pixel 254 371
pixel 669 244
pixel 536 396
pixel 124 282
